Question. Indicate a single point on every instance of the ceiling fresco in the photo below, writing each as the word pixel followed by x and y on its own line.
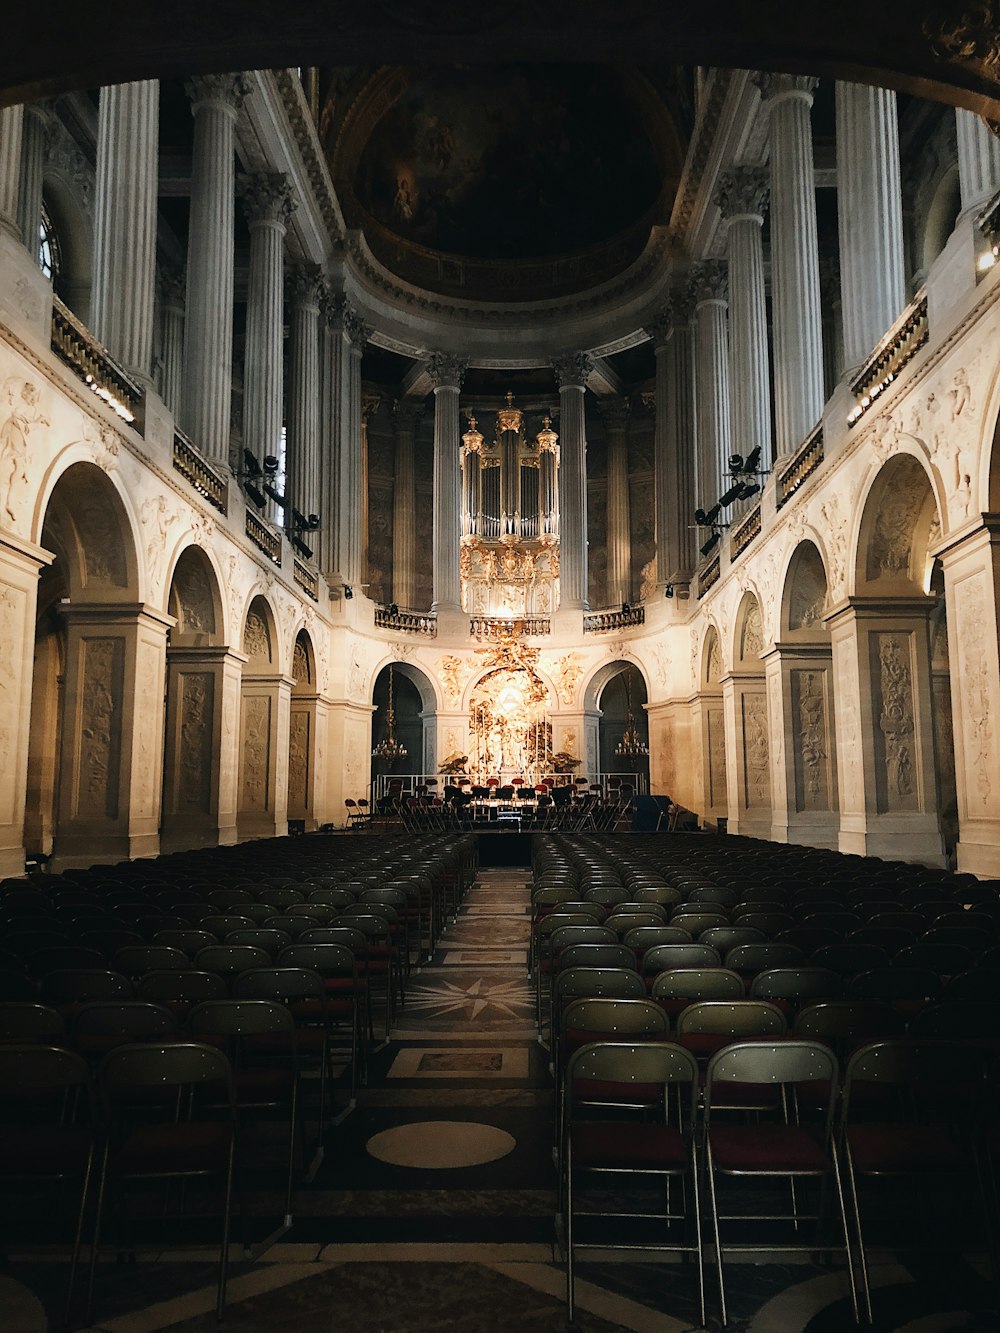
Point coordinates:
pixel 509 161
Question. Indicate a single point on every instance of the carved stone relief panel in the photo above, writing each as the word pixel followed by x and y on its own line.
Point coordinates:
pixel 717 788
pixel 713 670
pixel 22 417
pixel 11 648
pixel 978 690
pixel 298 760
pixel 101 674
pixel 256 787
pixel 752 643
pixel 756 753
pixel 811 740
pixel 891 545
pixel 195 603
pixel 807 599
pixel 892 675
pixel 257 638
pixel 300 664
pixel 196 708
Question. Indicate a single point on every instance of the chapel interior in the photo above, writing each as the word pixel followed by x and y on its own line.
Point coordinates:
pixel 461 477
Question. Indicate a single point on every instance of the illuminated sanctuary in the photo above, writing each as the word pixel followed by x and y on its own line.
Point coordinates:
pixel 639 417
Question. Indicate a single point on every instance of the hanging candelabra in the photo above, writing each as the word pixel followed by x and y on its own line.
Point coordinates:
pixel 389 748
pixel 631 745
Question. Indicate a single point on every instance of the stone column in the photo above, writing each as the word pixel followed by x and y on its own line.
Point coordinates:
pixel 798 330
pixel 263 791
pixel 615 412
pixel 972 578
pixel 709 289
pixel 29 200
pixel 885 734
pixel 208 333
pixel 11 132
pixel 351 499
pixel 302 438
pixel 406 416
pixel 870 217
pixel 198 778
pixel 742 197
pixel 110 784
pixel 674 456
pixel 978 159
pixel 333 358
pixel 803 746
pixel 170 360
pixel 572 371
pixel 447 373
pixel 125 223
pixel 267 203
pixel 370 403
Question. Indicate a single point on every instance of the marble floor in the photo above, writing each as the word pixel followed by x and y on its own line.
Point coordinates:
pixel 433 1207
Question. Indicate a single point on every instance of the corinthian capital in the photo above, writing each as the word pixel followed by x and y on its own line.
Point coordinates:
pixel 357 330
pixel 447 371
pixel 228 91
pixel 710 281
pixel 266 197
pixel 773 87
pixel 305 285
pixel 572 369
pixel 743 192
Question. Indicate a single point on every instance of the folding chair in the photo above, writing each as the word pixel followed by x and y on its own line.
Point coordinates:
pixel 789 1146
pixel 660 1148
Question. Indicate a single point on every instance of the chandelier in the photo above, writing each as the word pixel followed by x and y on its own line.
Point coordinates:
pixel 389 748
pixel 631 745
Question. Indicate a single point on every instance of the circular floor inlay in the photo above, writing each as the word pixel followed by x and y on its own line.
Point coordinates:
pixel 441 1144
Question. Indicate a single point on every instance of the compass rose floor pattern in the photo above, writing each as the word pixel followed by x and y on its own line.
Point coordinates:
pixel 433 1208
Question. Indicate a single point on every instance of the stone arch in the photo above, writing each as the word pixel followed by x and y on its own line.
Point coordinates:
pixel 748 640
pixel 805 594
pixel 599 680
pixel 303 768
pixel 900 520
pixel 194 600
pixel 85 522
pixel 74 227
pixel 260 636
pixel 415 712
pixel 943 208
pixel 264 717
pixel 624 692
pixel 711 744
pixel 752 810
pixel 712 666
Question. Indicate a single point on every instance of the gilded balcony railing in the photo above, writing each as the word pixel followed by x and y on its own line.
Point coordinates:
pixel 599 622
pixel 307 579
pixel 806 459
pixel 498 627
pixel 899 346
pixel 708 577
pixel 744 532
pixel 74 344
pixel 201 475
pixel 263 537
pixel 407 622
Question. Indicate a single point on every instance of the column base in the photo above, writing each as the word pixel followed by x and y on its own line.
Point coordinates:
pixel 11 862
pixel 250 827
pixel 893 838
pixel 79 850
pixel 978 850
pixel 452 621
pixel 821 830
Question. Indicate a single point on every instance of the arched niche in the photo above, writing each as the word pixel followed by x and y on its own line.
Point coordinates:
pixel 899 523
pixel 302 734
pixel 753 734
pixel 413 726
pixel 804 599
pixel 87 527
pixel 711 662
pixel 943 208
pixel 193 601
pixel 259 637
pixel 802 685
pixel 944 733
pixel 712 738
pixel 196 682
pixel 75 236
pixel 264 720
pixel 622 703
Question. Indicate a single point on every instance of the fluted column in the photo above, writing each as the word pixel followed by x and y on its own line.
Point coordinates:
pixel 798 328
pixel 29 199
pixel 356 333
pixel 370 403
pixel 615 413
pixel 447 373
pixel 674 453
pixel 870 217
pixel 742 197
pixel 302 437
pixel 170 362
pixel 333 382
pixel 572 371
pixel 709 290
pixel 208 333
pixel 267 203
pixel 125 222
pixel 11 131
pixel 978 159
pixel 406 416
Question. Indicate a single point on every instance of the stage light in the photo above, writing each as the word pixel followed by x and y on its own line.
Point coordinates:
pixel 393 609
pixel 668 591
pixel 736 463
pixel 250 464
pixel 712 543
pixel 748 488
pixel 731 496
pixel 302 548
pixel 254 494
pixel 699 517
pixel 626 608
pixel 753 460
pixel 312 522
pixel 274 493
pixel 271 464
pixel 348 591
pixel 712 515
pixel 300 520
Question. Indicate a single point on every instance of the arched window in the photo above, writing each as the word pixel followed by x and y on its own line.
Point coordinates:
pixel 48 246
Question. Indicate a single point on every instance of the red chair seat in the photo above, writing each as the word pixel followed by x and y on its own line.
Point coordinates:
pixel 618 1147
pixel 768 1149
